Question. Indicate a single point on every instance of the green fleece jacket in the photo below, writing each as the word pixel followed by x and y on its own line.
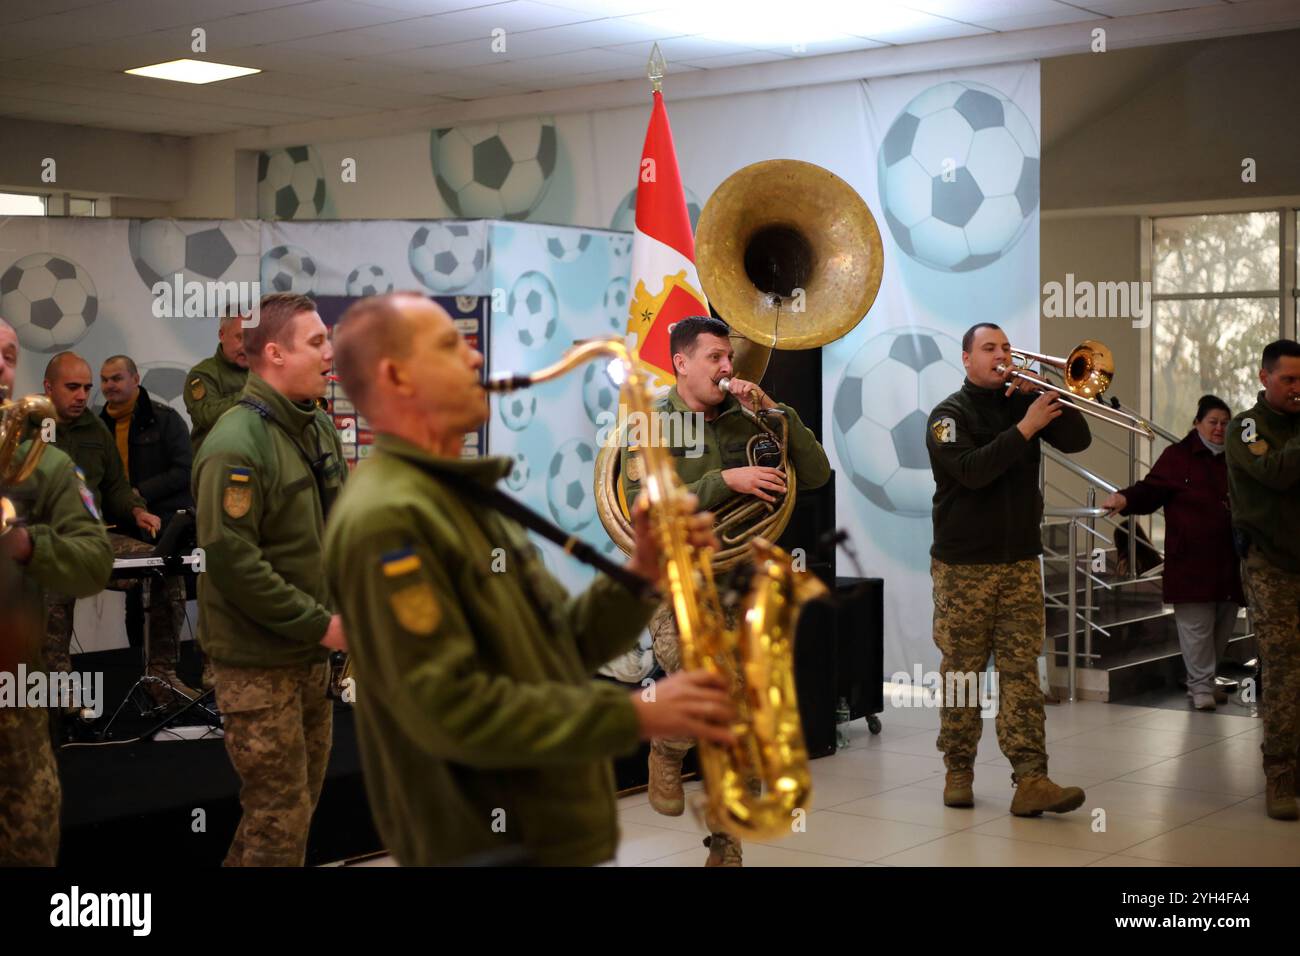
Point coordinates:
pixel 479 723
pixel 93 449
pixel 70 550
pixel 721 447
pixel 261 524
pixel 1264 481
pixel 211 388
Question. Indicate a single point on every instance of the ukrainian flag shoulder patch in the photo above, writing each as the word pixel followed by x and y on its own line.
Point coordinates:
pixel 400 562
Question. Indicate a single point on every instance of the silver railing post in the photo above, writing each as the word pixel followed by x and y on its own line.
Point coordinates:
pixel 1072 638
pixel 1132 521
pixel 1087 583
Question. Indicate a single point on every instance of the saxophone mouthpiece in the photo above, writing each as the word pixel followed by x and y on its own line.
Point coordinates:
pixel 507 382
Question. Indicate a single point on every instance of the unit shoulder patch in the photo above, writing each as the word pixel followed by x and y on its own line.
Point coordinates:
pixel 237 499
pixel 412 599
pixel 198 389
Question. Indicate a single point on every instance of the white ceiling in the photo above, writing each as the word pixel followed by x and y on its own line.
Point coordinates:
pixel 61 60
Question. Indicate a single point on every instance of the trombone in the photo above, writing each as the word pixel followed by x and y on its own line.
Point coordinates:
pixel 1087 372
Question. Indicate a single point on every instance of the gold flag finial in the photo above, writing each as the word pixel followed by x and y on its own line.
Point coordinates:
pixel 656 69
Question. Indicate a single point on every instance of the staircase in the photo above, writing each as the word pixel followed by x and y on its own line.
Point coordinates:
pixel 1124 638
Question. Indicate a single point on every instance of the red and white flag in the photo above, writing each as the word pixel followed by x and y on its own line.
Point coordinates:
pixel 665 285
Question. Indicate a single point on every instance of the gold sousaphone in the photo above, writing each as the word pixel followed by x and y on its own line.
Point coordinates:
pixel 790 256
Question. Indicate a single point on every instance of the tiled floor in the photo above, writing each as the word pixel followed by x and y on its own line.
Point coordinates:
pixel 1165 788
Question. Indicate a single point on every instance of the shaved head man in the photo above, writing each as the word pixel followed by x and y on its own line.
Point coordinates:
pixel 477 690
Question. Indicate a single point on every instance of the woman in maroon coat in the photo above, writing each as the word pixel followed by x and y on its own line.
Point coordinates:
pixel 1201 579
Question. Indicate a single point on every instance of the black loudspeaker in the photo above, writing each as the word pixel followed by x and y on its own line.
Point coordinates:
pixel 814 676
pixel 859 644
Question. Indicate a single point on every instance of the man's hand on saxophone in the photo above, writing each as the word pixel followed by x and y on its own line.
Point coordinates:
pixel 647 559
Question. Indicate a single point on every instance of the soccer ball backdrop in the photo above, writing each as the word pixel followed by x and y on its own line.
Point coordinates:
pixel 625 215
pixel 534 310
pixel 616 299
pixel 165 382
pixel 446 257
pixel 568 485
pixel 49 300
pixel 958 174
pixel 881 411
pixel 288 269
pixel 599 394
pixel 517 409
pixel 494 170
pixel 199 251
pixel 368 279
pixel 290 183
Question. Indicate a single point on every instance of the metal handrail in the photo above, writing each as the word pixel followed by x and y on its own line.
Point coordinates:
pixel 1160 430
pixel 1052 455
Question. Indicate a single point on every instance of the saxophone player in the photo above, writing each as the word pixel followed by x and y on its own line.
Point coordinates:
pixel 702 357
pixel 479 725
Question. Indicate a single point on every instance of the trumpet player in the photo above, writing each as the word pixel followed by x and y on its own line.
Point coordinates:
pixel 702 355
pixel 983 442
pixel 1263 450
pixel 480 727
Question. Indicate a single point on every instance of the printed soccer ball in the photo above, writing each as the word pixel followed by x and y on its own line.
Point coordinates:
pixel 881 413
pixel 517 410
pixel 958 174
pixel 620 247
pixel 599 394
pixel 288 269
pixel 494 170
pixel 446 257
pixel 290 183
pixel 534 311
pixel 519 474
pixel 566 247
pixel 625 215
pixel 49 300
pixel 616 299
pixel 165 382
pixel 199 251
pixel 569 485
pixel 368 279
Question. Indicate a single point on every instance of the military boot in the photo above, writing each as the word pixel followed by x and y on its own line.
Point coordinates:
pixel 1279 790
pixel 724 850
pixel 957 788
pixel 665 789
pixel 1036 793
pixel 160 694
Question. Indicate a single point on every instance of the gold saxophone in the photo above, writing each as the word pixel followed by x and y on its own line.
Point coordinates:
pixel 18 420
pixel 756 656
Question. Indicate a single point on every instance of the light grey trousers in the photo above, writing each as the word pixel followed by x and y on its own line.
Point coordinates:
pixel 1203 632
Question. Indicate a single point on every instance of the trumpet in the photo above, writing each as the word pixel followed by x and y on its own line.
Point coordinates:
pixel 1087 372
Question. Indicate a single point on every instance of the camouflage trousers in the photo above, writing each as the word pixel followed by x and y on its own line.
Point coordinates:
pixel 278 730
pixel 668 651
pixel 166 612
pixel 1274 597
pixel 997 609
pixel 30 795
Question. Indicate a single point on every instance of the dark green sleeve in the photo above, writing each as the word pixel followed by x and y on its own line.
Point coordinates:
pixel 605 620
pixel 1277 468
pixel 709 488
pixel 435 683
pixel 114 488
pixel 811 466
pixel 971 466
pixel 236 565
pixel 70 549
pixel 205 411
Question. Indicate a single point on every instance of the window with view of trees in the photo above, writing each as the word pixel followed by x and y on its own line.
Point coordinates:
pixel 1216 302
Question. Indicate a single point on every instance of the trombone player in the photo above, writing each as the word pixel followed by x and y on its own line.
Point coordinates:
pixel 983 442
pixel 702 357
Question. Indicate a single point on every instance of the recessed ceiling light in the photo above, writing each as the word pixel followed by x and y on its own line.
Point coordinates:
pixel 192 71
